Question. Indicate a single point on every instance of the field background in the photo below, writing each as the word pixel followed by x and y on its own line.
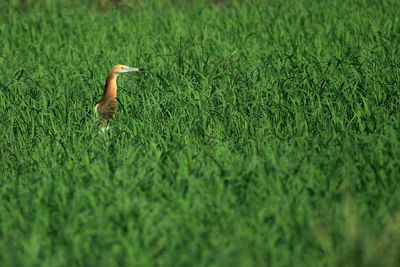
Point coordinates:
pixel 264 133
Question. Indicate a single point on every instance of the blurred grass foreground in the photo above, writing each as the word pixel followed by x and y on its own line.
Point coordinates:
pixel 263 133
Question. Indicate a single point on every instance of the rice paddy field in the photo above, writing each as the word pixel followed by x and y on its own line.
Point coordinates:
pixel 263 133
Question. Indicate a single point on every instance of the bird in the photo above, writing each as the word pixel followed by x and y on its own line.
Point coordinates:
pixel 105 108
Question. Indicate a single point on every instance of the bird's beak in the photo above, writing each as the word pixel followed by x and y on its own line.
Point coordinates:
pixel 129 69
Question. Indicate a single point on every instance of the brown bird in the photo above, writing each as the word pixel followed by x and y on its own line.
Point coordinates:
pixel 105 108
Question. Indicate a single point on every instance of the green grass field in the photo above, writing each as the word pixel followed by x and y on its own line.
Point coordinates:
pixel 264 133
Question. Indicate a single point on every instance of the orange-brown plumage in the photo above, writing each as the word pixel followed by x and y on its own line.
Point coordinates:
pixel 108 103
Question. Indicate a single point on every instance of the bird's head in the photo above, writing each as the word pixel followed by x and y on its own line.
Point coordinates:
pixel 119 69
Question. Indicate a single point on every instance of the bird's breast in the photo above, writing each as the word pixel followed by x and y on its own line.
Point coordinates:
pixel 105 109
pixel 95 108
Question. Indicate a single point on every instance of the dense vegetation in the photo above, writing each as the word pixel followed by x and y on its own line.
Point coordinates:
pixel 264 133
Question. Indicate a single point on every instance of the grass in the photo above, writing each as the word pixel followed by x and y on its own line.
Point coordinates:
pixel 264 133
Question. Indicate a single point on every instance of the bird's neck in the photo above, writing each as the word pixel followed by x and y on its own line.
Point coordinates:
pixel 110 88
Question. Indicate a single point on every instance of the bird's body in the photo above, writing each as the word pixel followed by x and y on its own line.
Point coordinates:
pixel 105 108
